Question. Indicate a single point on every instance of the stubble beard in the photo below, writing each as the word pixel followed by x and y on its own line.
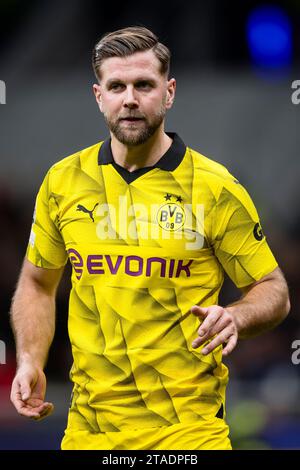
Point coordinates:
pixel 137 135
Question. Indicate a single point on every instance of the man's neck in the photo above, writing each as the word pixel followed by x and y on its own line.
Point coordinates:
pixel 140 156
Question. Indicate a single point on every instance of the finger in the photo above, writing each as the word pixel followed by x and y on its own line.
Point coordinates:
pixel 204 332
pixel 198 341
pixel 200 312
pixel 218 340
pixel 47 412
pixel 36 412
pixel 17 402
pixel 231 344
pixel 44 413
pixel 40 409
pixel 25 389
pixel 35 402
pixel 214 313
pixel 15 394
pixel 220 325
pixel 49 409
pixel 37 407
pixel 222 322
pixel 28 412
pixel 45 408
pixel 210 322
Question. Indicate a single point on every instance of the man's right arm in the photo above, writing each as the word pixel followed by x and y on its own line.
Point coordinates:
pixel 33 322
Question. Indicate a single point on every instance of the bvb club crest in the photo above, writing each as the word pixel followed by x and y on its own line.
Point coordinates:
pixel 171 216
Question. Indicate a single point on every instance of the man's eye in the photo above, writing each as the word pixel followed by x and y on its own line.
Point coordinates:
pixel 143 85
pixel 116 86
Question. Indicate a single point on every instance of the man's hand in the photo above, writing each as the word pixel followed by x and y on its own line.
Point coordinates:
pixel 28 392
pixel 216 321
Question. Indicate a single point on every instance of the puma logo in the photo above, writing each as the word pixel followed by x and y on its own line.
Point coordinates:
pixel 81 208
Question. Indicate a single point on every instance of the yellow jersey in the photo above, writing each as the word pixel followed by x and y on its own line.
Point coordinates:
pixel 145 246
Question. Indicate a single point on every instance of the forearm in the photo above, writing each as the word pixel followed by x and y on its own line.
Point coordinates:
pixel 33 322
pixel 261 309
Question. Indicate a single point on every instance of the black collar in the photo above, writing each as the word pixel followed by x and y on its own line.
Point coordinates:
pixel 169 161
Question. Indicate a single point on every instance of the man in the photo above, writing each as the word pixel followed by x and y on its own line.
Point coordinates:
pixel 149 226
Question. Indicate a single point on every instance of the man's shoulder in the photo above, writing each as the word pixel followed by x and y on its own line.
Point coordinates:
pixel 209 168
pixel 211 174
pixel 76 159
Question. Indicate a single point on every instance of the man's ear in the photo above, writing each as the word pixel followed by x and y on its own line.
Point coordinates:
pixel 171 88
pixel 98 95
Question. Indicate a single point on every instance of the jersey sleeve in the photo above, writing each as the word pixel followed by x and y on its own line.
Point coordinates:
pixel 238 239
pixel 46 247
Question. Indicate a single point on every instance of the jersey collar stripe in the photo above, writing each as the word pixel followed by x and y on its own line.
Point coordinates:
pixel 169 161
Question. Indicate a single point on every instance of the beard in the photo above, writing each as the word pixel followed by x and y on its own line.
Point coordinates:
pixel 135 134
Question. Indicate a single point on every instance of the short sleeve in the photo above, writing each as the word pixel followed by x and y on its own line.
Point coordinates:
pixel 46 247
pixel 238 239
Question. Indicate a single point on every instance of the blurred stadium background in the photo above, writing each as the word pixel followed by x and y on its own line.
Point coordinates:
pixel 234 63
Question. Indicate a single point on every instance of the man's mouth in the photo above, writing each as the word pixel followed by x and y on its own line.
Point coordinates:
pixel 131 119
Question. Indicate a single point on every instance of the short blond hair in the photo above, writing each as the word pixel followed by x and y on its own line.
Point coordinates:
pixel 127 41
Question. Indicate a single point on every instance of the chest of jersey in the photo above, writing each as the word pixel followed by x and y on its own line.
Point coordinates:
pixel 154 211
pixel 153 227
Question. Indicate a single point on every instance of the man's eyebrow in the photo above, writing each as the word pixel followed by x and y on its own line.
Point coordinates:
pixel 111 81
pixel 150 80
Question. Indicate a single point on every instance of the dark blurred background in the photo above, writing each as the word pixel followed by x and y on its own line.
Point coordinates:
pixel 235 63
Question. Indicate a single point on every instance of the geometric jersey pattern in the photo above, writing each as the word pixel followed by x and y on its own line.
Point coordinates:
pixel 143 250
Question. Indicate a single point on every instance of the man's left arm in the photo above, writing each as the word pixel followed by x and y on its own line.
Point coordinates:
pixel 264 304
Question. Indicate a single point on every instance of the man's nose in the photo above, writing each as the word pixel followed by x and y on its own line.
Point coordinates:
pixel 130 100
